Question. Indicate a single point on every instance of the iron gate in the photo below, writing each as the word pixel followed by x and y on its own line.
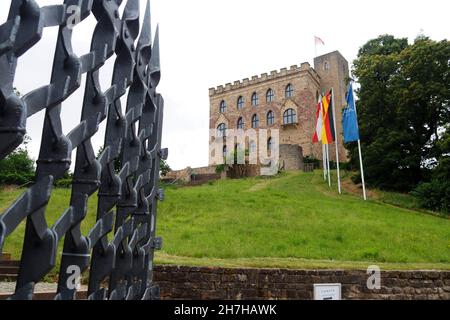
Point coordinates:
pixel 119 267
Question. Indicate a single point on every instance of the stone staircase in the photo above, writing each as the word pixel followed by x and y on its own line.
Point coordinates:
pixel 9 269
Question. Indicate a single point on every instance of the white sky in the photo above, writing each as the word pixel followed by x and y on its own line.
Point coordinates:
pixel 205 43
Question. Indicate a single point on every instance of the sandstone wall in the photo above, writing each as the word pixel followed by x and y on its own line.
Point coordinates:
pixel 254 284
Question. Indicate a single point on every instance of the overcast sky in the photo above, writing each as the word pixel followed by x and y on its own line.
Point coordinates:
pixel 205 43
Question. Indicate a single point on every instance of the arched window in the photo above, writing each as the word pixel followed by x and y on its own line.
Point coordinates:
pixel 289 116
pixel 326 65
pixel 225 151
pixel 255 99
pixel 223 107
pixel 270 118
pixel 252 146
pixel 269 144
pixel 240 123
pixel 222 130
pixel 289 91
pixel 240 103
pixel 270 95
pixel 255 121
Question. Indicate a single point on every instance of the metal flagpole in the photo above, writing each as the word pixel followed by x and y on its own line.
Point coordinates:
pixel 336 141
pixel 324 160
pixel 328 165
pixel 362 170
pixel 360 154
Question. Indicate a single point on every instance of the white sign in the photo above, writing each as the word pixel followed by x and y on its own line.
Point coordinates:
pixel 327 291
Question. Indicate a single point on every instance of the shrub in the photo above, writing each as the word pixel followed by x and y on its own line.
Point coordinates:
pixel 434 195
pixel 17 168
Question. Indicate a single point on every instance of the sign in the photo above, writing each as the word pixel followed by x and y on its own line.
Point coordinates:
pixel 327 291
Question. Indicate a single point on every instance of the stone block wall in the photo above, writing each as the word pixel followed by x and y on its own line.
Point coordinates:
pixel 279 284
pixel 291 156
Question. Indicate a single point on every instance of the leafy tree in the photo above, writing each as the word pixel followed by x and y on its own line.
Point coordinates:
pixel 435 195
pixel 403 101
pixel 165 168
pixel 18 167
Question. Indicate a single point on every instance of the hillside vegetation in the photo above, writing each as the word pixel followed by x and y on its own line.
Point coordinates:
pixel 293 221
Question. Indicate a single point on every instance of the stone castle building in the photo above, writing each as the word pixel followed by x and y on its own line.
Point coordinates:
pixel 284 100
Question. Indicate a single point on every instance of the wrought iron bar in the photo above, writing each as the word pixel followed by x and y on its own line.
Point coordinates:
pixel 127 196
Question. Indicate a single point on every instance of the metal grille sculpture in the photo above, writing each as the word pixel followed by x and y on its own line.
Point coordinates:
pixel 127 199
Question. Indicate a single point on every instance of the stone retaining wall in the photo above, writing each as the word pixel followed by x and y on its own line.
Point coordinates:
pixel 254 284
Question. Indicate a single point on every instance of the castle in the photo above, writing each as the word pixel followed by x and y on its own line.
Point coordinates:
pixel 285 100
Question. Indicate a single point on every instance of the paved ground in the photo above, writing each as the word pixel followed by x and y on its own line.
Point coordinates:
pixel 8 287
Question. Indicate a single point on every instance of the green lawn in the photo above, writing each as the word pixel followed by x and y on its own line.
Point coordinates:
pixel 292 221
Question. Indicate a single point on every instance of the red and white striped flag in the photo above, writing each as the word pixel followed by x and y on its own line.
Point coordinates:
pixel 319 122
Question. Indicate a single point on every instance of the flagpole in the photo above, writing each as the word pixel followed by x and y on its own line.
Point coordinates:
pixel 324 161
pixel 362 169
pixel 360 152
pixel 336 141
pixel 328 165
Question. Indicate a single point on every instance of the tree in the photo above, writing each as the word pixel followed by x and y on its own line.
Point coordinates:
pixel 165 168
pixel 403 101
pixel 18 167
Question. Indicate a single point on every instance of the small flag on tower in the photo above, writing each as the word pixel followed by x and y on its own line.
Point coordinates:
pixel 319 41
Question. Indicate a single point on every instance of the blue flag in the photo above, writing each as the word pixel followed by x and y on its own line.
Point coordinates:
pixel 349 119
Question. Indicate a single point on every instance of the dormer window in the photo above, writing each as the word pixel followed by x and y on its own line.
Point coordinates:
pixel 289 117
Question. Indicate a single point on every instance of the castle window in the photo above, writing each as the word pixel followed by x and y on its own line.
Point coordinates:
pixel 252 146
pixel 223 107
pixel 270 118
pixel 222 130
pixel 269 144
pixel 255 121
pixel 255 99
pixel 326 65
pixel 289 116
pixel 240 103
pixel 240 123
pixel 270 95
pixel 289 91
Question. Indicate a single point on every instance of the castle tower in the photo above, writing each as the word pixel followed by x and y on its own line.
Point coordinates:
pixel 333 70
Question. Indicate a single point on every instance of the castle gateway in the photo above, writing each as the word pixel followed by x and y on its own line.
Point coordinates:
pixel 287 101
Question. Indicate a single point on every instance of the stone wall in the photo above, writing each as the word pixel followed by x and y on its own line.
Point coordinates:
pixel 254 284
pixel 291 157
pixel 185 175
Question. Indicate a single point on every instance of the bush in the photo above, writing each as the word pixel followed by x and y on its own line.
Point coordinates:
pixel 17 168
pixel 309 159
pixel 434 195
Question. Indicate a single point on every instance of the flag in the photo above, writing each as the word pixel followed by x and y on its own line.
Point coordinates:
pixel 319 122
pixel 319 41
pixel 349 119
pixel 328 120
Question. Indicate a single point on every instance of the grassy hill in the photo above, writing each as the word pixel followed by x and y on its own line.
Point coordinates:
pixel 292 221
